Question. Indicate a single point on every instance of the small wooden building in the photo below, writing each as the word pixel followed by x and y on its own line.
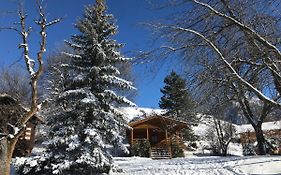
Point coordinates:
pixel 159 131
pixel 271 130
pixel 10 111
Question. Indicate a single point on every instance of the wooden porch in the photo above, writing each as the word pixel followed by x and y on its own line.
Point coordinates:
pixel 160 132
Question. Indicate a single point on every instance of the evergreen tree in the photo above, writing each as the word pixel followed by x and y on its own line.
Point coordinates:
pixel 176 99
pixel 83 116
pixel 178 103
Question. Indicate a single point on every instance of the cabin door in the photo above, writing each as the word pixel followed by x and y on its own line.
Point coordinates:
pixel 154 137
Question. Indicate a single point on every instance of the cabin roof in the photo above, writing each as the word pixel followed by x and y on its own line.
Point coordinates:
pixel 11 110
pixel 160 121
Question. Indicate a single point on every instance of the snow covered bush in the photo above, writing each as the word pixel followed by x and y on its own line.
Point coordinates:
pixel 249 149
pixel 177 151
pixel 272 145
pixel 219 135
pixel 82 115
pixel 141 148
pixel 192 146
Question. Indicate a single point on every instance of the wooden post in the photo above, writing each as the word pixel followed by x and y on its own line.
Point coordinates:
pixel 132 136
pixel 167 144
pixel 166 136
pixel 147 134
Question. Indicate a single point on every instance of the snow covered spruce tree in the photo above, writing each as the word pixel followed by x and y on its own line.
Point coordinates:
pixel 178 102
pixel 84 113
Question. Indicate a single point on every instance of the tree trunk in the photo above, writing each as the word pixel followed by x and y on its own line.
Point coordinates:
pixel 6 155
pixel 260 140
pixel 224 150
pixel 4 166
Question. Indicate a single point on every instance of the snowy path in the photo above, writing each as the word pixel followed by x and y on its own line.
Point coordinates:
pixel 270 165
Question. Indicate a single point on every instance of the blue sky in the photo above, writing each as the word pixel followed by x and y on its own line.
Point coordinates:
pixel 128 13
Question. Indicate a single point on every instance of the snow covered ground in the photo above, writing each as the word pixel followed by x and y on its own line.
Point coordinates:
pixel 193 165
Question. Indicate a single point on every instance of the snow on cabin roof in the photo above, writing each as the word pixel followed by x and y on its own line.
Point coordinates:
pixel 157 117
pixel 265 127
pixel 133 113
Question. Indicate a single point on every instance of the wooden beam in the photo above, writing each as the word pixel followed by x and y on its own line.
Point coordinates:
pixel 144 126
pixel 176 137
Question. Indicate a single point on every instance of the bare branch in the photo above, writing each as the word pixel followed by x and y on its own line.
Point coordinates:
pixel 53 22
pixel 10 28
pixel 243 27
pixel 259 94
pixel 24 36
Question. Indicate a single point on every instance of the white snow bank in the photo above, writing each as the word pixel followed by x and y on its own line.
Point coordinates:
pixel 210 165
pixel 265 126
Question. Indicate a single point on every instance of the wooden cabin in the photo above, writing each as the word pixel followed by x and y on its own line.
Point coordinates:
pixel 10 111
pixel 161 132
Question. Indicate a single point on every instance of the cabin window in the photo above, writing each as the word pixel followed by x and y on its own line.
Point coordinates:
pixel 27 135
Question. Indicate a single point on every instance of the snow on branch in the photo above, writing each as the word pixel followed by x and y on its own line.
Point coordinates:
pixel 53 22
pixel 16 130
pixel 243 27
pixel 71 55
pixel 259 94
pixel 3 136
pixel 118 81
pixel 30 63
pixel 112 95
pixel 24 45
pixel 73 45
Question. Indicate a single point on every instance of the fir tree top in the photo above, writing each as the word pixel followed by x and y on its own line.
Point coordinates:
pixel 176 99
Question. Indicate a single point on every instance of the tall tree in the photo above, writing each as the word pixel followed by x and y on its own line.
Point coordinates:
pixel 9 140
pixel 176 98
pixel 233 47
pixel 84 116
pixel 178 102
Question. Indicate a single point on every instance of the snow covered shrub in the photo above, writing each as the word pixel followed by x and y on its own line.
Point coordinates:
pixel 177 151
pixel 188 135
pixel 135 149
pixel 272 146
pixel 220 134
pixel 249 149
pixel 215 148
pixel 193 145
pixel 141 148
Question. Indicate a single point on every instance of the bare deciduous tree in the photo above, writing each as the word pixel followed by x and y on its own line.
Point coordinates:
pixel 9 140
pixel 220 134
pixel 234 46
pixel 14 82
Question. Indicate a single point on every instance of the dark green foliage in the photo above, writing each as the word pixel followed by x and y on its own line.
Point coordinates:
pixel 249 149
pixel 176 150
pixel 189 135
pixel 272 145
pixel 176 98
pixel 178 102
pixel 141 148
